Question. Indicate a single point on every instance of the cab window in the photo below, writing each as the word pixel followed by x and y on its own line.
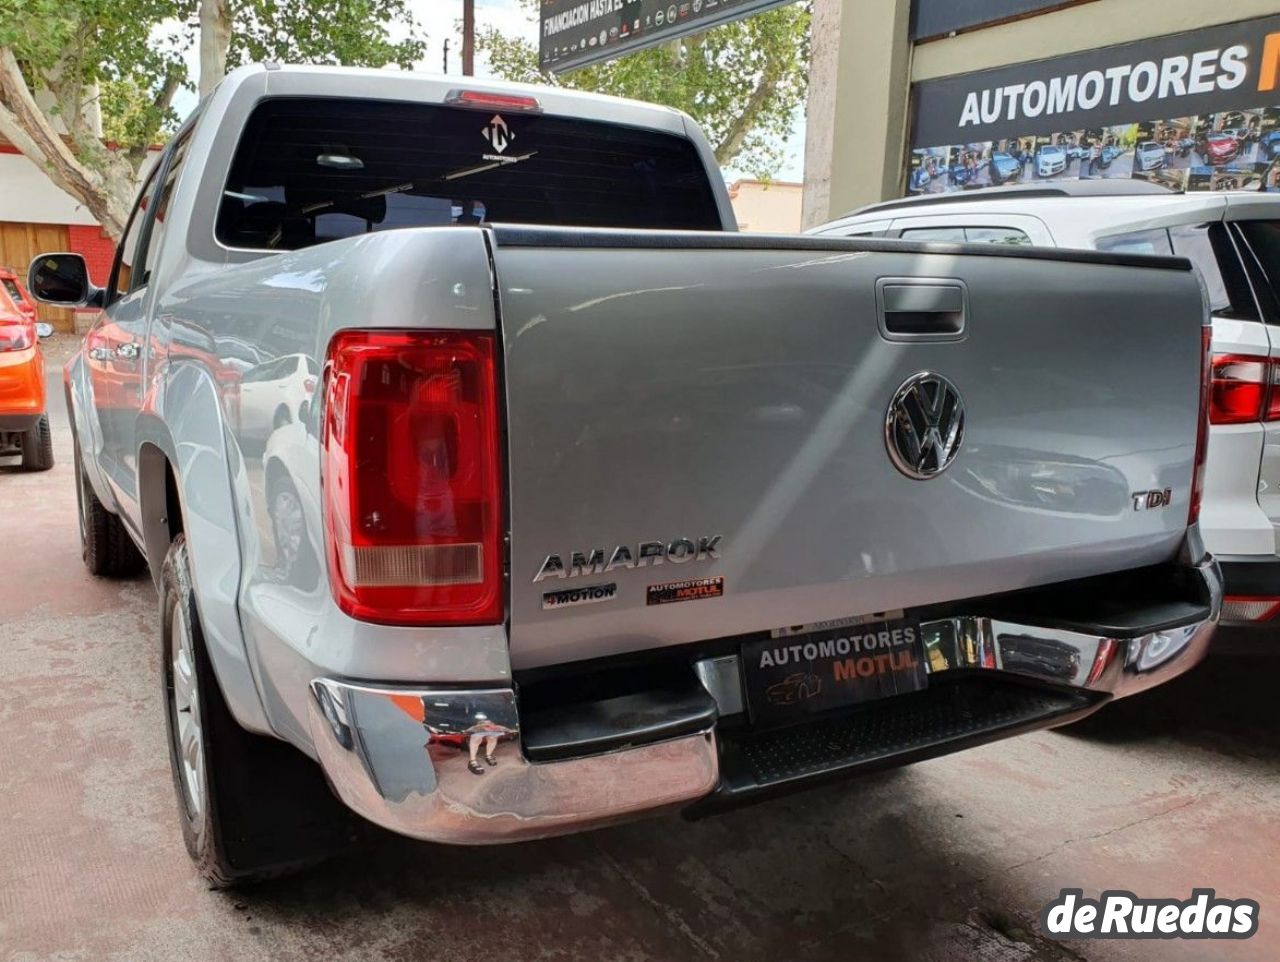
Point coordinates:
pixel 971 235
pixel 121 282
pixel 159 226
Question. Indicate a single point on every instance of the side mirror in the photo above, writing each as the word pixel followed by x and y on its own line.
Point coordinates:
pixel 62 280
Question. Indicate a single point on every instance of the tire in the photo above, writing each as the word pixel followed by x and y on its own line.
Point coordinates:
pixel 281 419
pixel 251 807
pixel 105 546
pixel 37 447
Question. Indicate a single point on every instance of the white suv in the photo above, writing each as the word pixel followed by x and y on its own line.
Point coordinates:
pixel 1233 238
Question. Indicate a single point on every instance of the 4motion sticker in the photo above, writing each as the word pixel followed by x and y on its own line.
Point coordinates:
pixel 586 595
pixel 693 590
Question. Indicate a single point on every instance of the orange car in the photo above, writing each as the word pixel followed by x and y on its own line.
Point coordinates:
pixel 24 422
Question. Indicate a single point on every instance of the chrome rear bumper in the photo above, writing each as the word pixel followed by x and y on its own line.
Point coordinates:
pixel 448 765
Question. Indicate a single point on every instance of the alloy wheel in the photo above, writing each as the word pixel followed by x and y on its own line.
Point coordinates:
pixel 188 724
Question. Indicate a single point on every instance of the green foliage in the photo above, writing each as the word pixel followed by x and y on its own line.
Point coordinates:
pixel 134 50
pixel 131 118
pixel 349 32
pixel 742 82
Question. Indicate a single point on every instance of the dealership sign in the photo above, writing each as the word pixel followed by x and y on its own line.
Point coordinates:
pixel 937 18
pixel 1176 92
pixel 575 33
pixel 1199 72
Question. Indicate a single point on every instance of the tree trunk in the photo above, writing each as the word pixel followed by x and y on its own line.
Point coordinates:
pixel 105 191
pixel 468 38
pixel 731 143
pixel 215 40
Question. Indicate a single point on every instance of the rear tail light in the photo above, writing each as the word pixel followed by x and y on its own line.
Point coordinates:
pixel 1238 389
pixel 1248 608
pixel 17 337
pixel 1271 410
pixel 413 511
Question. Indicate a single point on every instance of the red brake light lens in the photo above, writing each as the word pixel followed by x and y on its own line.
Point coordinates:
pixel 1272 412
pixel 413 510
pixel 1238 388
pixel 484 100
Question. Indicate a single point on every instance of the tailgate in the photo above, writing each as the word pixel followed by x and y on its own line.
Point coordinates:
pixel 725 398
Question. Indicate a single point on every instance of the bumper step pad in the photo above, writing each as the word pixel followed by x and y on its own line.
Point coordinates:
pixel 944 718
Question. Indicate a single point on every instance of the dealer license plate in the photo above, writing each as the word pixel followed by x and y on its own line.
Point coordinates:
pixel 790 678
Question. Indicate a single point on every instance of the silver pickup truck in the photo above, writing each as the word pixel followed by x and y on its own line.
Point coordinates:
pixel 494 486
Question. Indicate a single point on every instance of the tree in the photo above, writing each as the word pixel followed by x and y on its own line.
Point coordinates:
pixel 349 32
pixel 56 57
pixel 742 82
pixel 70 67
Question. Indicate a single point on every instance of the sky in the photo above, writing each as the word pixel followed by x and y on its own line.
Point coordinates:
pixel 441 19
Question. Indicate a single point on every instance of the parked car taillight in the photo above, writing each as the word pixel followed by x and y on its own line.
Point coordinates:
pixel 1249 608
pixel 1238 389
pixel 411 477
pixel 17 336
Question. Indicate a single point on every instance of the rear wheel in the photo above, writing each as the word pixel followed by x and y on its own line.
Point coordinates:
pixel 105 546
pixel 295 558
pixel 251 807
pixel 37 447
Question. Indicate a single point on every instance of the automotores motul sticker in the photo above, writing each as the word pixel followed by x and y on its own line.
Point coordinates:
pixel 694 589
pixel 586 595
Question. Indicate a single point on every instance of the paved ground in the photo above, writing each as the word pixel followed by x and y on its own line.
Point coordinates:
pixel 951 859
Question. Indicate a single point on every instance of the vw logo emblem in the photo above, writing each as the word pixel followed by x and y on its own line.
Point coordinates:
pixel 924 427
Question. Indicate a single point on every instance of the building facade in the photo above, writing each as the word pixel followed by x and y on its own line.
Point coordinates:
pixel 38 217
pixel 926 96
pixel 771 206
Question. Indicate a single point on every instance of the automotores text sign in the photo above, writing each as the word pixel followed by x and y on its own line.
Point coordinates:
pixel 1161 105
pixel 575 33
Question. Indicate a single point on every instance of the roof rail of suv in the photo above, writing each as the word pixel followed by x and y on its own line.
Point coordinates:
pixel 1080 188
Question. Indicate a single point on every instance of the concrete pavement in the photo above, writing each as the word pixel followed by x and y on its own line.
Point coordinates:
pixel 950 859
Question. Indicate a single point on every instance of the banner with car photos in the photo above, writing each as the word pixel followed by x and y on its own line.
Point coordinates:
pixel 576 33
pixel 1193 111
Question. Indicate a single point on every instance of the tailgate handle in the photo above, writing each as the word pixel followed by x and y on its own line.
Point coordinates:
pixel 921 308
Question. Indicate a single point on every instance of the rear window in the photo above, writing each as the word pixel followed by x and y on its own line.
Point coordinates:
pixel 12 288
pixel 310 170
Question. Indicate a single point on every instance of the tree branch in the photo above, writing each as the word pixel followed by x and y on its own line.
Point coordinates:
pixel 163 100
pixel 22 121
pixel 215 41
pixel 733 139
